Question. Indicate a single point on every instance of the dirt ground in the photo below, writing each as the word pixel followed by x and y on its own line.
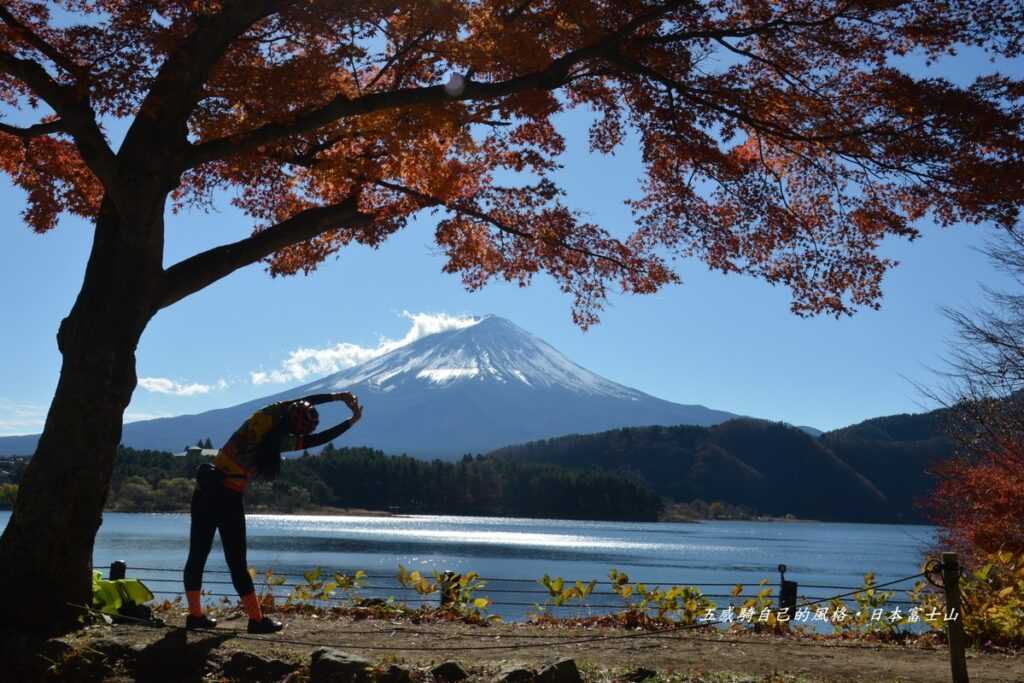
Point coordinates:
pixel 603 654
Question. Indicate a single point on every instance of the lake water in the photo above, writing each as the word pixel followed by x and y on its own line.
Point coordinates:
pixel 514 553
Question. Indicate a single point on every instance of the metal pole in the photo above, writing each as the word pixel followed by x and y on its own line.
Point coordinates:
pixel 955 626
pixel 787 593
pixel 449 588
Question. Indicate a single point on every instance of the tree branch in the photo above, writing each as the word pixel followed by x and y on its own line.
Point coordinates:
pixel 33 131
pixel 37 42
pixel 551 77
pixel 203 269
pixel 178 85
pixel 76 115
pixel 786 75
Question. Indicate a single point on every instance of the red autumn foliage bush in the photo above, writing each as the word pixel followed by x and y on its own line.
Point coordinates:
pixel 979 501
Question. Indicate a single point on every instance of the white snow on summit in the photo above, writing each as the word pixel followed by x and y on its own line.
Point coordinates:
pixel 493 350
pixel 442 375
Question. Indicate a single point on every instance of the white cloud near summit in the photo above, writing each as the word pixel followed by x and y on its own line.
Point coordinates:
pixel 307 363
pixel 162 385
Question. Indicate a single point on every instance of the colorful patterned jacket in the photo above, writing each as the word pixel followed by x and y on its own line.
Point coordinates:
pixel 266 434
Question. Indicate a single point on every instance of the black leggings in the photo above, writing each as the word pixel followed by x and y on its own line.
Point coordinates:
pixel 217 508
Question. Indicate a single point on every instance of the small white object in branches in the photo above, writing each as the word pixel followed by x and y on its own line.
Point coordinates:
pixel 456 85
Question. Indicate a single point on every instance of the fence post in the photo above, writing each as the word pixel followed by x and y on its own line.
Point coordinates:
pixel 118 569
pixel 955 627
pixel 449 588
pixel 787 593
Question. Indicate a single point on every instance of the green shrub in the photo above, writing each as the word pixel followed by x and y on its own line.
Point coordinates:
pixel 757 612
pixel 8 494
pixel 562 593
pixel 677 605
pixel 992 597
pixel 318 588
pixel 869 613
pixel 460 590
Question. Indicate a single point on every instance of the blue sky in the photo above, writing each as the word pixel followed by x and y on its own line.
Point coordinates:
pixel 727 342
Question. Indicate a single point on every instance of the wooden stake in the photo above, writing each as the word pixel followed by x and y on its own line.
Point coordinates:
pixel 954 627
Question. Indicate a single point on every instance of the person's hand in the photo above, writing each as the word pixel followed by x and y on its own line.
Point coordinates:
pixel 353 404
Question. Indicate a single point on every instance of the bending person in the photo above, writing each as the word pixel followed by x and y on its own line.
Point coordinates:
pixel 254 450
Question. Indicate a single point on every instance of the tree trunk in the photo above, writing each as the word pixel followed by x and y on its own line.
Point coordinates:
pixel 46 549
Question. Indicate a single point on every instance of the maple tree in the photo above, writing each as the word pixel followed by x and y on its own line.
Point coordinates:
pixel 778 138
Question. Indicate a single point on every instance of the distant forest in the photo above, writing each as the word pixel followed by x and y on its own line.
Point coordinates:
pixel 369 479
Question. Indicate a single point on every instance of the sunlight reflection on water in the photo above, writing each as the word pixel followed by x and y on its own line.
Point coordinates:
pixel 453 530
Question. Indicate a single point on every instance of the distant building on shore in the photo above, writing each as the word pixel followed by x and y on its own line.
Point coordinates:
pixel 199 452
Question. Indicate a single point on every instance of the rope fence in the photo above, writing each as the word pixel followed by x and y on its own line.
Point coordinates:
pixel 787 598
pixel 513 580
pixel 538 590
pixel 496 603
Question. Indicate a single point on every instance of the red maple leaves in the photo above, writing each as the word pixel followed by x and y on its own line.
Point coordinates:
pixel 778 138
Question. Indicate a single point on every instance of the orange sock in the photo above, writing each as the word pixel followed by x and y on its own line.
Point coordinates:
pixel 252 606
pixel 195 606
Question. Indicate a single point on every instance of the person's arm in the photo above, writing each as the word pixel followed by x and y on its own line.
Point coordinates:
pixel 317 399
pixel 296 443
pixel 328 435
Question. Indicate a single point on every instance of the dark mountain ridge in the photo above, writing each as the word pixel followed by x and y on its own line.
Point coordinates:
pixel 871 472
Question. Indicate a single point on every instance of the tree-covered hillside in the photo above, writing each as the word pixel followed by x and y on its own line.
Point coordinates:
pixel 897 453
pixel 871 472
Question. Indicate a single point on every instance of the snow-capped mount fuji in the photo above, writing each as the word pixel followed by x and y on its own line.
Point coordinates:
pixel 467 390
pixel 493 350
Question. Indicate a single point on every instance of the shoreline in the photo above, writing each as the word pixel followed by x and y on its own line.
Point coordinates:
pixel 327 511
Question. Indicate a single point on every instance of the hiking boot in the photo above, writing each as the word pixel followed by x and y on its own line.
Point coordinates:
pixel 202 621
pixel 265 625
